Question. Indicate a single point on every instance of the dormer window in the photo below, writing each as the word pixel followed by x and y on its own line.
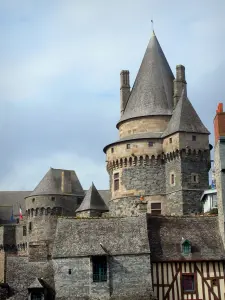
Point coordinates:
pixel 186 247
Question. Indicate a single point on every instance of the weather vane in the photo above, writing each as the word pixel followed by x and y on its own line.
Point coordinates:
pixel 152 26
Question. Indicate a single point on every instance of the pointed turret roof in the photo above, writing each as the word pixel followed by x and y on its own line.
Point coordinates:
pixel 92 201
pixel 152 93
pixel 52 183
pixel 185 118
pixel 36 284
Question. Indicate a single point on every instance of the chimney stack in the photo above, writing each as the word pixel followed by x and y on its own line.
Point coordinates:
pixel 124 89
pixel 219 123
pixel 179 83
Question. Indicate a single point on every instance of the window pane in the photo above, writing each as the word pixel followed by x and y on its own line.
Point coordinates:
pixel 155 205
pixel 116 184
pixel 99 268
pixel 116 175
pixel 188 283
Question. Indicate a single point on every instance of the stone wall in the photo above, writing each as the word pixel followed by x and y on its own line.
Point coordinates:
pixel 128 277
pixel 20 273
pixel 144 124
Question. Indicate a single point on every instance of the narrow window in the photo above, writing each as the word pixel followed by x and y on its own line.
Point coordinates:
pixel 156 208
pixel 194 178
pixel 24 230
pixel 194 138
pixel 30 226
pixel 37 296
pixel 69 271
pixel 99 265
pixel 128 146
pixel 33 199
pixel 116 181
pixel 53 198
pixel 188 283
pixel 171 140
pixel 112 150
pixel 172 179
pixel 186 247
pixel 150 144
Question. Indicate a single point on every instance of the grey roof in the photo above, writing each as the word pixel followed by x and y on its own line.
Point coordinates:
pixel 138 136
pixel 51 183
pixel 14 199
pixel 36 284
pixel 166 233
pixel 208 192
pixel 92 201
pixel 152 93
pixel 185 118
pixel 83 237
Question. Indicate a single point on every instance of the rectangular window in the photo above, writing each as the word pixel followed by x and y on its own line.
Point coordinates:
pixel 112 150
pixel 194 178
pixel 99 266
pixel 116 181
pixel 193 137
pixel 24 230
pixel 188 283
pixel 156 208
pixel 128 146
pixel 172 179
pixel 150 144
pixel 30 226
pixel 171 140
pixel 36 296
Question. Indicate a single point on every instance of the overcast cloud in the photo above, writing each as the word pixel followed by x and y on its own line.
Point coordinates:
pixel 59 76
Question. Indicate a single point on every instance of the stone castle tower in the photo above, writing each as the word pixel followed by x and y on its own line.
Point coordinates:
pixel 162 157
pixel 58 194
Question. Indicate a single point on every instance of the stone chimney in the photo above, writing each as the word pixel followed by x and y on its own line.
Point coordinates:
pixel 219 157
pixel 124 89
pixel 66 184
pixel 179 83
pixel 219 123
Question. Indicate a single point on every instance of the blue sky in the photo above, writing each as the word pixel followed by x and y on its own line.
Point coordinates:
pixel 59 76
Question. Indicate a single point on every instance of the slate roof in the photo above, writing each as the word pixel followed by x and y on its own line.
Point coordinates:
pixel 15 199
pixel 166 233
pixel 83 237
pixel 152 92
pixel 51 183
pixel 92 201
pixel 185 118
pixel 36 284
pixel 138 136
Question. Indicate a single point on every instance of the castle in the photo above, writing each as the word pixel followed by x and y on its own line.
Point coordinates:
pixel 145 238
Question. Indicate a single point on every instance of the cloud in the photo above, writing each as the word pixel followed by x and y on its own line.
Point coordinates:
pixel 59 76
pixel 30 172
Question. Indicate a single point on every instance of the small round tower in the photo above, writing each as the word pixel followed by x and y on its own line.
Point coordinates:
pixel 58 194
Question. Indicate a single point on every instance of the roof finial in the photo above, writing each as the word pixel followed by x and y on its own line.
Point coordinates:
pixel 153 32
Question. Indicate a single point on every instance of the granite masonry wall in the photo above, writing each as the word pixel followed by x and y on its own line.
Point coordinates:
pixel 20 273
pixel 128 277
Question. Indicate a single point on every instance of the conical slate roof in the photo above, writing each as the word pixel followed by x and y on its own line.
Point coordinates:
pixel 92 201
pixel 36 284
pixel 52 183
pixel 185 118
pixel 152 93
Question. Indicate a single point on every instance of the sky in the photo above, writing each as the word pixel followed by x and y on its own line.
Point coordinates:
pixel 60 62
